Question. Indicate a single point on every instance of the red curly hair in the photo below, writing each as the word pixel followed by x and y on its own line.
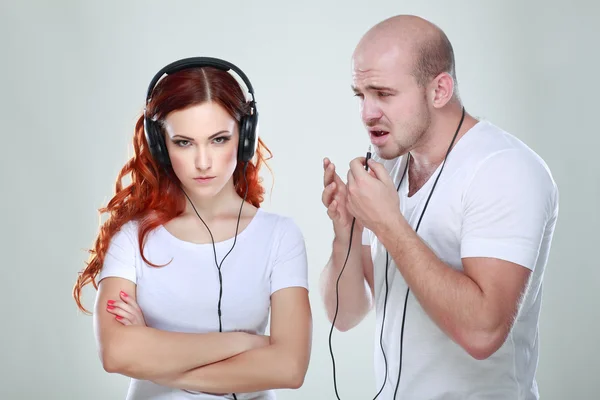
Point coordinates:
pixel 153 198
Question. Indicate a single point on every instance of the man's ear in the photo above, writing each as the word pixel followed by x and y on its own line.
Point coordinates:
pixel 441 90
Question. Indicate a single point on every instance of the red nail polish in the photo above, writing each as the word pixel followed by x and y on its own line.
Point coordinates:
pixel 111 302
pixel 110 307
pixel 123 294
pixel 119 317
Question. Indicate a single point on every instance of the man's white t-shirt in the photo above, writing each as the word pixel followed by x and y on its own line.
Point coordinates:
pixel 269 255
pixel 495 198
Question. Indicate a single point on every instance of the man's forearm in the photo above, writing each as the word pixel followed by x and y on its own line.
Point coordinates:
pixel 270 367
pixel 354 294
pixel 452 299
pixel 147 353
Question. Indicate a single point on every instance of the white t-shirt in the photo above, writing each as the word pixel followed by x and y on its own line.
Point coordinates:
pixel 269 255
pixel 495 198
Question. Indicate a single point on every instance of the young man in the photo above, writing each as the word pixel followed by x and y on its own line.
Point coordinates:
pixel 462 213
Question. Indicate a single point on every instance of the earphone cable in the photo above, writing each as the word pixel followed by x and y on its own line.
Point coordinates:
pixel 215 249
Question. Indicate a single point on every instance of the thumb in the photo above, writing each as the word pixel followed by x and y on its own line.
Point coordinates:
pixel 380 172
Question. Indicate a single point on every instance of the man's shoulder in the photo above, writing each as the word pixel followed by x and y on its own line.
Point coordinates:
pixel 501 152
pixel 497 163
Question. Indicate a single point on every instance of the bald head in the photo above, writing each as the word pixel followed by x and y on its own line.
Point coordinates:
pixel 420 45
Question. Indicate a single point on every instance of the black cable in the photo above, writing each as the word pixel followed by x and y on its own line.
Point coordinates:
pixel 385 307
pixel 416 229
pixel 215 250
pixel 337 300
pixel 336 310
pixel 386 276
pixel 337 306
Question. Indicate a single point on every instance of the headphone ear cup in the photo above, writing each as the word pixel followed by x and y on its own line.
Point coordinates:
pixel 248 138
pixel 156 143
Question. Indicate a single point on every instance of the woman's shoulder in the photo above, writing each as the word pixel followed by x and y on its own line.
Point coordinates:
pixel 278 222
pixel 130 228
pixel 129 231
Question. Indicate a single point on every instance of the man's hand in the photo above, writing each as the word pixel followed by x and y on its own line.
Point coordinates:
pixel 372 196
pixel 334 198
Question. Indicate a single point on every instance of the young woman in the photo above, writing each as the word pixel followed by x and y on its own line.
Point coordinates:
pixel 188 267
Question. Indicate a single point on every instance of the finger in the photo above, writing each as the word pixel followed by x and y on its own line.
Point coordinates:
pixel 134 314
pixel 130 300
pixel 123 321
pixel 357 166
pixel 351 186
pixel 122 305
pixel 329 173
pixel 332 210
pixel 328 194
pixel 380 172
pixel 120 312
pixel 336 213
pixel 350 179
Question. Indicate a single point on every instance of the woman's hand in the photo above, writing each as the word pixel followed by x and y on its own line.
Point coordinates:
pixel 126 310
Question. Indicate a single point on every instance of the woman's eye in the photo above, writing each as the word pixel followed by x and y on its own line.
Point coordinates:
pixel 182 143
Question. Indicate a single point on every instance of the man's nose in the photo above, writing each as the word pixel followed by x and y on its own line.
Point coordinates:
pixel 370 112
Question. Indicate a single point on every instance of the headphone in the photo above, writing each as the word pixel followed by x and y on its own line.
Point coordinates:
pixel 248 123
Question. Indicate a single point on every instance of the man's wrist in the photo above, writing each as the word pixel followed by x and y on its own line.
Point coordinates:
pixel 342 233
pixel 391 229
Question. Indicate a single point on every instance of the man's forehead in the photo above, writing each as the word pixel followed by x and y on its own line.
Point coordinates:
pixel 379 58
pixel 377 71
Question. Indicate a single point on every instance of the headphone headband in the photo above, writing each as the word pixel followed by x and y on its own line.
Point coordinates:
pixel 192 62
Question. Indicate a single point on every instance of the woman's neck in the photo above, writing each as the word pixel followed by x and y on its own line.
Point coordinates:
pixel 222 204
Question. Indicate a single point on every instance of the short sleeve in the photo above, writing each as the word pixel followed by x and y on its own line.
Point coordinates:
pixel 290 266
pixel 120 259
pixel 507 206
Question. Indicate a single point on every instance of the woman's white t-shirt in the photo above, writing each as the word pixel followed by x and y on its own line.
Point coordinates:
pixel 182 296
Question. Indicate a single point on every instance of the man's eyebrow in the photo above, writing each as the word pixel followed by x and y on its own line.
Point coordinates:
pixel 374 88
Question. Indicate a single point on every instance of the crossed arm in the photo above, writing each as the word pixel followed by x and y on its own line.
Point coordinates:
pixel 212 362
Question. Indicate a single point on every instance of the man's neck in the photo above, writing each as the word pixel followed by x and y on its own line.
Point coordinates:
pixel 431 151
pixel 429 154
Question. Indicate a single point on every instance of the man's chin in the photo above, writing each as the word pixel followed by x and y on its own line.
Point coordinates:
pixel 386 153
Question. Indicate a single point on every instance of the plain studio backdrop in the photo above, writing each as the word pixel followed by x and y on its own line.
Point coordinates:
pixel 73 80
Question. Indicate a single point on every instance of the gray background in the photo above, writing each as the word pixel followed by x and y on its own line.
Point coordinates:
pixel 73 78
